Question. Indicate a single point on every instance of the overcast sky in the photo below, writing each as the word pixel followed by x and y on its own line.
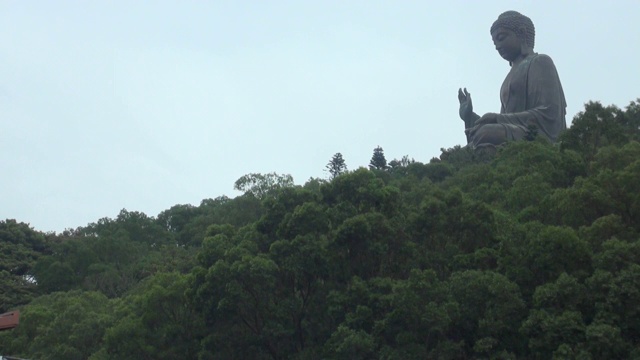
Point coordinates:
pixel 143 105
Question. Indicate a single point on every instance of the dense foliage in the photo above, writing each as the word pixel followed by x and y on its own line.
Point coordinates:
pixel 529 252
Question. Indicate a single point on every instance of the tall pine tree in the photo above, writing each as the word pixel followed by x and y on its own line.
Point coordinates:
pixel 378 161
pixel 336 166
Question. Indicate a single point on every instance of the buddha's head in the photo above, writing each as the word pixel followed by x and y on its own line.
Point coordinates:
pixel 513 34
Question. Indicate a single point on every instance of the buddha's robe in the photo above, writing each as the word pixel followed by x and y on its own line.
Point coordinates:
pixel 531 94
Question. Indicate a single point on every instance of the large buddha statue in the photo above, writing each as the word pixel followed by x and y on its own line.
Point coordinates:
pixel 531 94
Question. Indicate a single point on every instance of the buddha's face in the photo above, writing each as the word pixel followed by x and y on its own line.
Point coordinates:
pixel 507 43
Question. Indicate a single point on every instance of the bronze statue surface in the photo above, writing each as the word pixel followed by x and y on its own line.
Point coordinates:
pixel 531 94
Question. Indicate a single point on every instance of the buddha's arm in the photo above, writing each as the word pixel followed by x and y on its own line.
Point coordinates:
pixel 545 100
pixel 470 119
pixel 466 108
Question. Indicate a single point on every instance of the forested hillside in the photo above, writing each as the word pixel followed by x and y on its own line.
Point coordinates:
pixel 531 252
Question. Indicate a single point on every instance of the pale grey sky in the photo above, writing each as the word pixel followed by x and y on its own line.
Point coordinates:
pixel 142 105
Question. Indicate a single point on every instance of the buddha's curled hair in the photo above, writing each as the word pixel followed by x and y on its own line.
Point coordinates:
pixel 518 23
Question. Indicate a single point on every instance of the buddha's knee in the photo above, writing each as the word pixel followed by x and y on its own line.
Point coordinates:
pixel 494 134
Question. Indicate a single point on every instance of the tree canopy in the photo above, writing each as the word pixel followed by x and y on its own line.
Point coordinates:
pixel 531 252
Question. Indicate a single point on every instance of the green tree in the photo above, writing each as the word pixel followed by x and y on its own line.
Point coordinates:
pixel 403 162
pixel 418 323
pixel 259 185
pixel 599 126
pixel 20 249
pixel 110 256
pixel 62 325
pixel 336 166
pixel 188 224
pixel 157 321
pixel 378 161
pixel 491 311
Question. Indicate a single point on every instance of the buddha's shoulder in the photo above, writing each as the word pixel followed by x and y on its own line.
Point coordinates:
pixel 542 59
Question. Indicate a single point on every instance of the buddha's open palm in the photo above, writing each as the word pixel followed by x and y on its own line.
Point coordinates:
pixel 466 105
